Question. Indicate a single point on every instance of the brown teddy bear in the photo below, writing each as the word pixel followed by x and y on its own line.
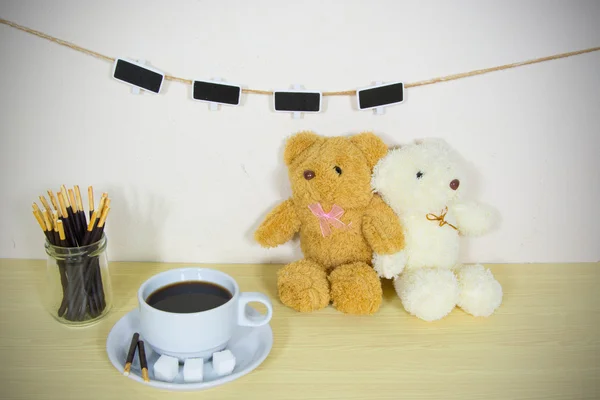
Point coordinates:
pixel 340 221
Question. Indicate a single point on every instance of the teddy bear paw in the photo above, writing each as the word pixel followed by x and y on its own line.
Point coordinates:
pixel 475 219
pixel 480 293
pixel 428 293
pixel 355 289
pixel 303 286
pixel 389 265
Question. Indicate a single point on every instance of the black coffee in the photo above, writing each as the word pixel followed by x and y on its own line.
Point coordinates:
pixel 189 297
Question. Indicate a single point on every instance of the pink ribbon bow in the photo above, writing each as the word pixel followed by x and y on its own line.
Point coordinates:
pixel 330 218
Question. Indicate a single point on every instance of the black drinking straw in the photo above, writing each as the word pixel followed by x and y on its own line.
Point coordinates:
pixel 131 353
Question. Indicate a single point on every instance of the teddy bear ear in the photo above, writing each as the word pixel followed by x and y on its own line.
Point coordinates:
pixel 431 140
pixel 371 146
pixel 297 143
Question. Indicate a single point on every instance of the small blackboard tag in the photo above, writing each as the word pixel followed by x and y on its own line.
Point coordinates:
pixel 217 92
pixel 297 101
pixel 380 95
pixel 138 75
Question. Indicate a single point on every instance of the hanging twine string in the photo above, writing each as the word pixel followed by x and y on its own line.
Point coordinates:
pixel 338 93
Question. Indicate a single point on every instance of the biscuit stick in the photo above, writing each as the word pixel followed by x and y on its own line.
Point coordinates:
pixel 131 353
pixel 54 202
pixel 143 361
pixel 91 200
pixel 80 210
pixel 59 229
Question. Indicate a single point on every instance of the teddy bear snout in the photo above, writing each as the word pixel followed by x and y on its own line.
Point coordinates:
pixel 308 174
pixel 454 184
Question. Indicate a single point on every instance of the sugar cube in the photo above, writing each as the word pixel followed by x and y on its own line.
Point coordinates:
pixel 223 362
pixel 166 368
pixel 193 370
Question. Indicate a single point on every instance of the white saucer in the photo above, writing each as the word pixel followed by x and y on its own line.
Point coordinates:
pixel 250 346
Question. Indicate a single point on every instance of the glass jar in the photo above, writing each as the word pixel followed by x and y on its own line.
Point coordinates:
pixel 78 287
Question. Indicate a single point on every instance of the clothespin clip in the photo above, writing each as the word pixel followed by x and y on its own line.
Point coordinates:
pixel 378 110
pixel 136 89
pixel 212 106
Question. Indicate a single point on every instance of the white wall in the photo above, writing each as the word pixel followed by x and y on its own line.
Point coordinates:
pixel 190 185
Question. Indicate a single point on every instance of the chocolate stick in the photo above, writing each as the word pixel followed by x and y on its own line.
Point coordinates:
pixel 61 232
pixel 143 361
pixel 49 227
pixel 91 278
pixel 45 203
pixel 96 270
pixel 76 293
pixel 90 228
pixel 57 213
pixel 101 204
pixel 100 228
pixel 70 235
pixel 63 272
pixel 75 214
pixel 68 213
pixel 55 224
pixel 80 210
pixel 40 219
pixel 94 302
pixel 53 200
pixel 91 200
pixel 131 353
pixel 46 219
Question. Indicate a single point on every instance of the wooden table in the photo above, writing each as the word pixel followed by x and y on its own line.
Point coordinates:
pixel 543 343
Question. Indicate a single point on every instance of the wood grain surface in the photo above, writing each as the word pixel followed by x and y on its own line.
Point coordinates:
pixel 543 343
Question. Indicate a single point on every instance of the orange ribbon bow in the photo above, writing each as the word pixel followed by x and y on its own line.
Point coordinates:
pixel 441 218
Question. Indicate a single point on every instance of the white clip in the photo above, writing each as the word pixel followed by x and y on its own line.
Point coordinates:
pixel 135 89
pixel 214 106
pixel 378 110
pixel 296 114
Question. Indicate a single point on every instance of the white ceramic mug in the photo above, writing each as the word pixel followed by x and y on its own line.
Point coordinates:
pixel 199 334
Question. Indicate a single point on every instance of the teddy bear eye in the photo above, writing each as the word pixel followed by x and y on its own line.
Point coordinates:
pixel 419 175
pixel 338 170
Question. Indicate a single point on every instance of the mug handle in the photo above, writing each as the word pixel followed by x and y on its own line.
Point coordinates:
pixel 250 320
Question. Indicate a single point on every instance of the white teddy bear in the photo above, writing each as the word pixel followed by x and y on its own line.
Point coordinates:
pixel 422 182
